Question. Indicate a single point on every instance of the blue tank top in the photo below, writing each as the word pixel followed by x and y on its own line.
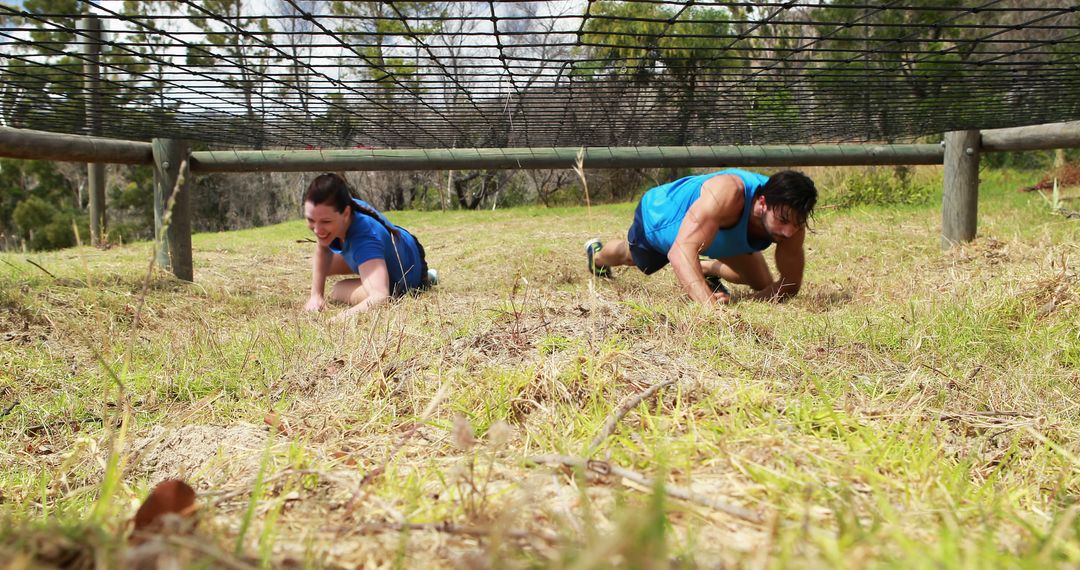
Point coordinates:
pixel 664 207
pixel 367 239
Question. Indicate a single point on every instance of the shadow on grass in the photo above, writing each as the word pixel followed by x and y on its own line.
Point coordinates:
pixel 821 300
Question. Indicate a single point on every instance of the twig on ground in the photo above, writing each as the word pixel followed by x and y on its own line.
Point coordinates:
pixel 12 265
pixel 450 528
pixel 229 495
pixel 1003 421
pixel 1002 414
pixel 378 470
pixel 621 411
pixel 220 559
pixel 44 427
pixel 989 414
pixel 245 490
pixel 939 372
pixel 47 272
pixel 605 468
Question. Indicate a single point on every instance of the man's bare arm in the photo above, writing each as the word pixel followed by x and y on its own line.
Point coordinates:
pixel 790 262
pixel 719 205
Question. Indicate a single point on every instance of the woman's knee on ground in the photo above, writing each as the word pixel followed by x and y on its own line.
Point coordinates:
pixel 348 291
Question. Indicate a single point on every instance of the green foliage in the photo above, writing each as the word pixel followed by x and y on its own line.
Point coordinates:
pixel 33 213
pixel 675 48
pixel 64 15
pixel 371 23
pixel 36 204
pixel 246 57
pixel 640 40
pixel 38 96
pixel 45 227
pixel 131 205
pixel 1029 160
pixel 876 186
pixel 36 99
pixel 892 51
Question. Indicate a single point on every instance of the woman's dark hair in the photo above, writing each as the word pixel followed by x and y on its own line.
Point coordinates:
pixel 332 188
pixel 792 189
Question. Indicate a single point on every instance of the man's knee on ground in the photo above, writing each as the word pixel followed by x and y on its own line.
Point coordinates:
pixel 758 282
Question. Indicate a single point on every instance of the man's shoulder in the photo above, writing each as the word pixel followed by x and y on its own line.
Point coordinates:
pixel 725 189
pixel 746 177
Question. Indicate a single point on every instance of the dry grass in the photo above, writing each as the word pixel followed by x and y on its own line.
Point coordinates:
pixel 909 408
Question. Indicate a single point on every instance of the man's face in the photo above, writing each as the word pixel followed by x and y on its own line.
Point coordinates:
pixel 325 223
pixel 780 222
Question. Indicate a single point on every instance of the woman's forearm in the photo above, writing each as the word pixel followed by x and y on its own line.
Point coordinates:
pixel 363 306
pixel 320 268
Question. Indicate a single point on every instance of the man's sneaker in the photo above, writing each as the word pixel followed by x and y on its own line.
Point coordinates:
pixel 592 247
pixel 432 277
pixel 716 285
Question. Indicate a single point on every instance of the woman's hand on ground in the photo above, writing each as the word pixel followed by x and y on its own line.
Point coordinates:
pixel 315 303
pixel 341 317
pixel 721 298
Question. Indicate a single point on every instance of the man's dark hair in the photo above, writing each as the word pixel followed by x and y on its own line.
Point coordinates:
pixel 792 189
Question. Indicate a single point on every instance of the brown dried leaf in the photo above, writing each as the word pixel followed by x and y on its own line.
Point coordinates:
pixel 345 457
pixel 171 496
pixel 273 420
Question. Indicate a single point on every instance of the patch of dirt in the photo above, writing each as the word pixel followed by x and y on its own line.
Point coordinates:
pixel 1049 295
pixel 200 454
pixel 988 250
pixel 516 335
pixel 19 324
pixel 1066 176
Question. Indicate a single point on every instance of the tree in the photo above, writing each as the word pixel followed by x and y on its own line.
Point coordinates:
pixel 298 32
pixel 36 204
pixel 659 59
pixel 894 53
pixel 387 86
pixel 237 47
pixel 146 59
pixel 39 85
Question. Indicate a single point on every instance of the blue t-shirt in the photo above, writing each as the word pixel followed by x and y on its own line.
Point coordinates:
pixel 367 239
pixel 664 207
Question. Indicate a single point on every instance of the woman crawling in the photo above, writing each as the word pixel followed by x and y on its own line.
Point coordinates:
pixel 355 239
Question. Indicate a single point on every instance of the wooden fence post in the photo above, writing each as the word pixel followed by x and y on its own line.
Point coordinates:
pixel 95 172
pixel 959 207
pixel 172 208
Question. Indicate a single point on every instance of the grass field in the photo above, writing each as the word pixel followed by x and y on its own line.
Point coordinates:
pixel 910 408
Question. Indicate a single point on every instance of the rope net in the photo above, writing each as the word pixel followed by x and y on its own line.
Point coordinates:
pixel 321 74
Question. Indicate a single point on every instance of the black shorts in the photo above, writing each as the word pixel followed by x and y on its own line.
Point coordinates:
pixel 645 256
